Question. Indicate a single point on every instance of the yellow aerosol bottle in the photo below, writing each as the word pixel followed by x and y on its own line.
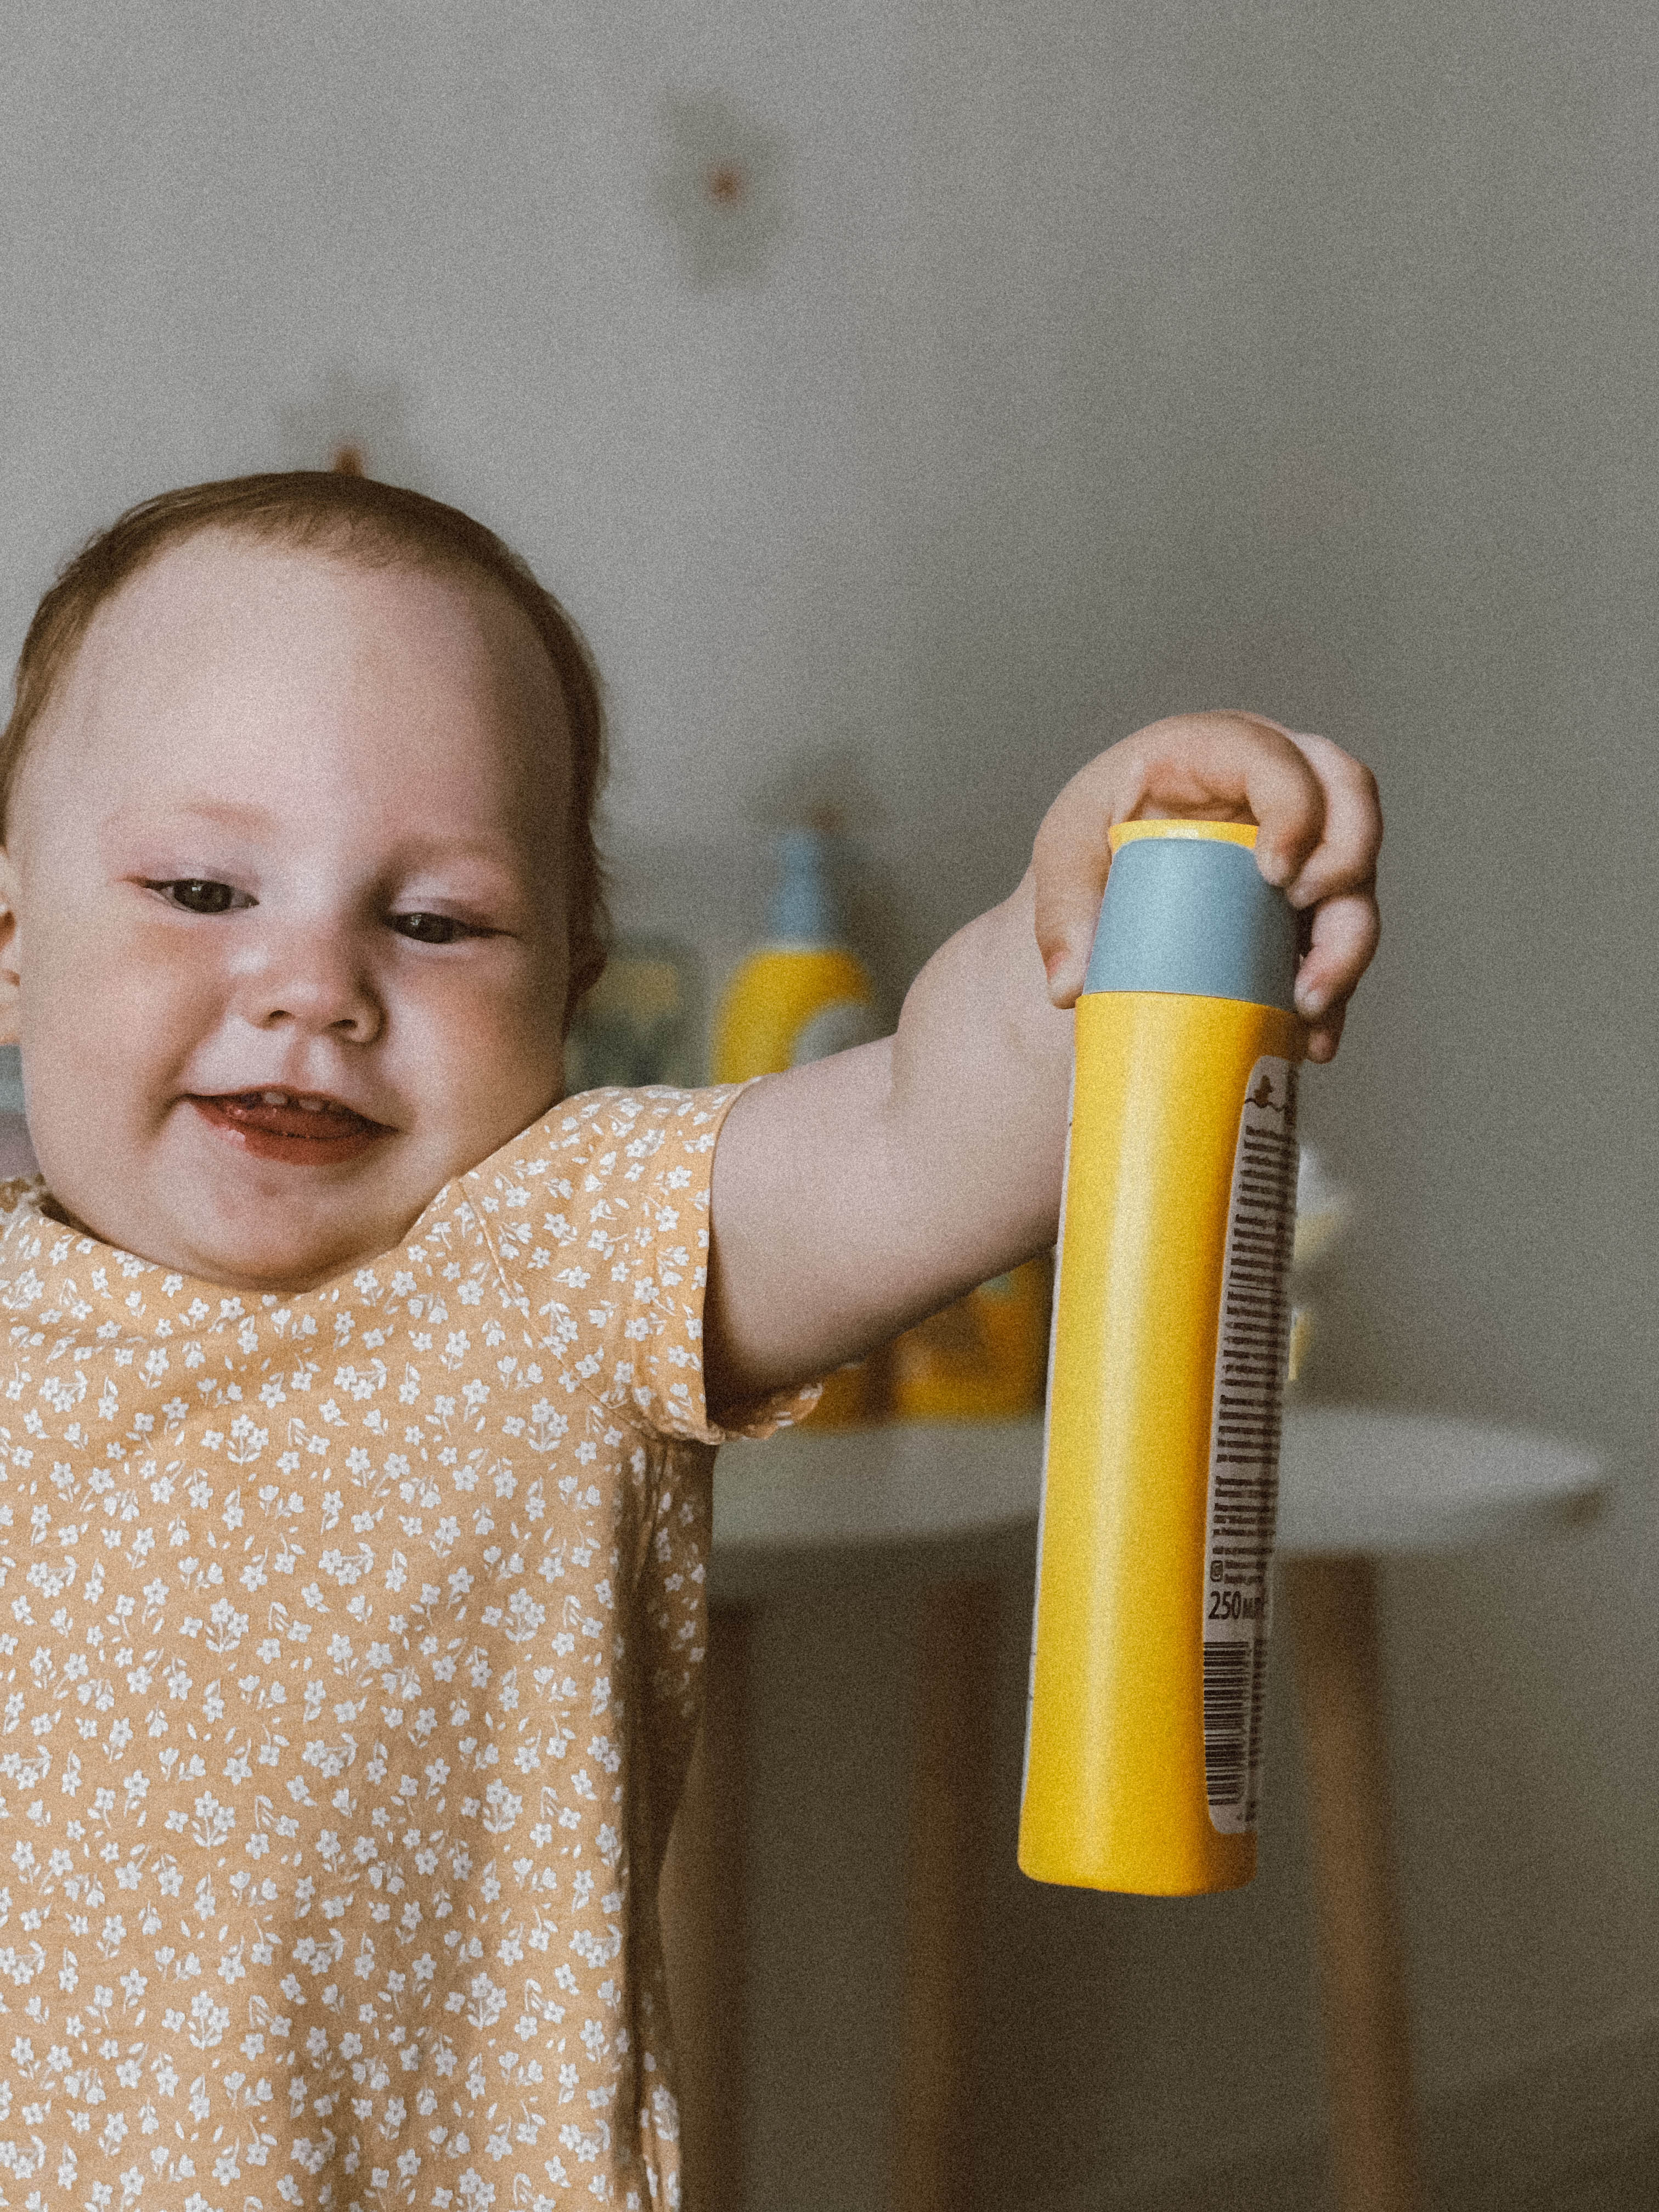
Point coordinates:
pixel 1161 1467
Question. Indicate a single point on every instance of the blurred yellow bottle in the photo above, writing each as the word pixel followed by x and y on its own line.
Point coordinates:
pixel 982 1359
pixel 800 996
pixel 1160 1478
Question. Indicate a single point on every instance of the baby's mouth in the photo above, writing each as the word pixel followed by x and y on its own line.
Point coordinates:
pixel 302 1126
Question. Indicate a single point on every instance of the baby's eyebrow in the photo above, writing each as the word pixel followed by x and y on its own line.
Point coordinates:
pixel 497 855
pixel 235 813
pixel 438 847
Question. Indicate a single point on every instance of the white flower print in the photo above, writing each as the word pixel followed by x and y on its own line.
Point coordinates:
pixel 315 1778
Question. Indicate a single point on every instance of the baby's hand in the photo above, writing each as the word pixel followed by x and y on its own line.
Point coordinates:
pixel 857 1193
pixel 1321 827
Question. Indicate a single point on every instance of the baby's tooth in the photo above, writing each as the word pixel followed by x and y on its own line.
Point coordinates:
pixel 274 1097
pixel 310 1105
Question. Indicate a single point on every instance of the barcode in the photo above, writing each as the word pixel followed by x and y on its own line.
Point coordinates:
pixel 1226 1720
pixel 1255 1316
pixel 1243 1502
pixel 1235 1703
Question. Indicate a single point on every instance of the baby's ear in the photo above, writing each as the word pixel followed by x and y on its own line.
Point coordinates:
pixel 10 973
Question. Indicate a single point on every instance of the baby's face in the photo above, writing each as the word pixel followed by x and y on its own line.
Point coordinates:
pixel 287 947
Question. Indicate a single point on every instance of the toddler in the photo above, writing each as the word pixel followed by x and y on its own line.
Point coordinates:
pixel 362 1391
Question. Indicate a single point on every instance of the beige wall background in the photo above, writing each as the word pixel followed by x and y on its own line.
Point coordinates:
pixel 1110 358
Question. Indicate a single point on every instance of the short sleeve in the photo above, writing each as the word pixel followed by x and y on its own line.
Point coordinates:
pixel 598 1216
pixel 671 1286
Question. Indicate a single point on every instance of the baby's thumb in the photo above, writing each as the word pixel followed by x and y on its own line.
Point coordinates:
pixel 1068 893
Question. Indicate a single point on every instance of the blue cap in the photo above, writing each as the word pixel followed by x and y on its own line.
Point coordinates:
pixel 804 912
pixel 1187 910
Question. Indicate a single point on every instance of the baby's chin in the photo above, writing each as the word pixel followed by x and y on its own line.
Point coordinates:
pixel 200 1201
pixel 237 1265
pixel 280 1273
pixel 280 1256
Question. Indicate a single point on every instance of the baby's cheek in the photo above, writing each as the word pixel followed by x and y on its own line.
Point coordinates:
pixel 495 1057
pixel 111 1016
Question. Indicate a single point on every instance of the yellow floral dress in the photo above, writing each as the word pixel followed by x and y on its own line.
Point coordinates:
pixel 350 1658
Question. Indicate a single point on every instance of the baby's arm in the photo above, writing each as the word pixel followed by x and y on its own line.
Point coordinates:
pixel 856 1193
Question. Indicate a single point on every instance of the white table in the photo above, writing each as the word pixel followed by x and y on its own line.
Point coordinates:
pixel 1357 1484
pixel 1352 1479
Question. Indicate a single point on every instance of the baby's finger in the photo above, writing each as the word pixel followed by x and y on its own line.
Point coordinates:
pixel 1220 766
pixel 1230 767
pixel 1287 798
pixel 1346 931
pixel 1069 862
pixel 1325 1036
pixel 1345 858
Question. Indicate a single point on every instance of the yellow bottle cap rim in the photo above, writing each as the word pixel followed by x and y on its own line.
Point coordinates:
pixel 1225 833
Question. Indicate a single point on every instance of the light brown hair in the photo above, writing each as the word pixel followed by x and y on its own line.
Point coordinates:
pixel 357 519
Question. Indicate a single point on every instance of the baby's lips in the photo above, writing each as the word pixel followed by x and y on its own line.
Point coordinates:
pixel 302 1116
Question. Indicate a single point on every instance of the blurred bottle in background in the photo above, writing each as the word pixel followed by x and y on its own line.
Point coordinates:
pixel 984 1358
pixel 801 995
pixel 16 1152
pixel 637 1026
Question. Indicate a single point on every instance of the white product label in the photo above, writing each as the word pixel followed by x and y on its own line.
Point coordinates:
pixel 1250 1381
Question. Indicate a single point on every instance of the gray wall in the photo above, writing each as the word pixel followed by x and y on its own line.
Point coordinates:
pixel 1300 354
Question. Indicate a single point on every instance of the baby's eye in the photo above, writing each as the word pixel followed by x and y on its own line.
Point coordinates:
pixel 431 929
pixel 197 895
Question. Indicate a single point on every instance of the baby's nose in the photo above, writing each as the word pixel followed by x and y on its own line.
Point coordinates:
pixel 313 980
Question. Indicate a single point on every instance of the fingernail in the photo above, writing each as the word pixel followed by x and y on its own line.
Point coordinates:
pixel 1274 868
pixel 1062 986
pixel 1311 1000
